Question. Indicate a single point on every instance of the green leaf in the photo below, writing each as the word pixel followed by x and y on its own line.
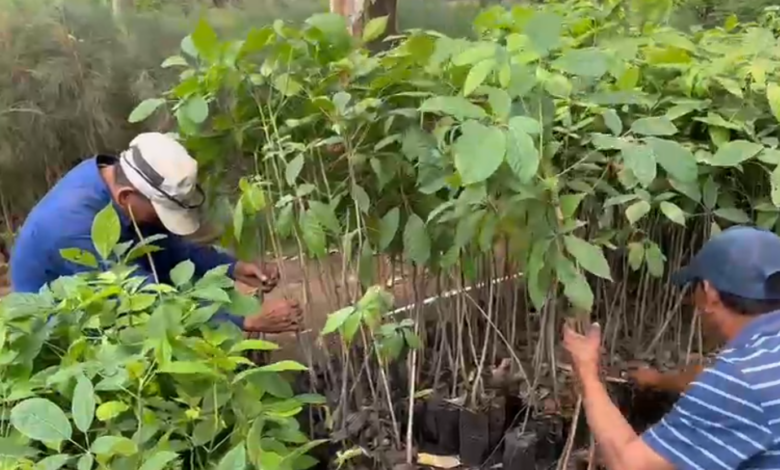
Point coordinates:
pixel 145 109
pixel 479 152
pixel 636 211
pixel 636 254
pixel 774 179
pixel 253 345
pixel 589 256
pixel 186 368
pixel 612 121
pixel 110 410
pixel 106 231
pixel 85 462
pixel 336 320
pixel 287 85
pixel 691 190
pixel 159 460
pixel 80 257
pixel 417 244
pixel 196 109
pixel 174 61
pixel 83 404
pixel 673 212
pixel 312 233
pixel 655 260
pixel 477 75
pixel 41 420
pixel 732 214
pixel 360 196
pixel 736 152
pixel 293 169
pixel 388 227
pixel 675 159
pixel 654 126
pixel 235 459
pixel 521 154
pixel 52 462
pixel 182 273
pixel 113 445
pixel 325 216
pixel 375 28
pixel 204 38
pixel 640 159
pixel 544 31
pixel 212 293
pixel 283 366
pixel 587 62
pixel 456 106
pixel 575 285
pixel 773 96
pixel 500 103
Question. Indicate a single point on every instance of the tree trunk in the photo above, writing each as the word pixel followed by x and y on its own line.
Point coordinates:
pixel 359 12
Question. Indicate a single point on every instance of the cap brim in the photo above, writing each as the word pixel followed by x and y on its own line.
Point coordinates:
pixel 683 277
pixel 178 221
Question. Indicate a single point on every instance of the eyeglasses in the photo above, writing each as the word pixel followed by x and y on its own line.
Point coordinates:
pixel 139 160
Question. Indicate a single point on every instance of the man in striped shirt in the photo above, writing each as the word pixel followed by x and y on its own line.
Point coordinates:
pixel 729 417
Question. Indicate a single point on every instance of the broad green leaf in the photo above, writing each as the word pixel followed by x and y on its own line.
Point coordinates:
pixel 636 255
pixel 673 212
pixel 526 124
pixel 312 233
pixel 654 126
pixel 83 404
pixel 360 196
pixel 287 85
pixel 479 152
pixel 736 152
pixel 588 62
pixel 52 462
pixel 612 121
pixel 253 345
pixel 186 368
pixel 675 159
pixel 325 216
pixel 691 190
pixel 113 445
pixel 106 231
pixel 145 109
pixel 375 28
pixel 773 96
pixel 336 320
pixel 575 285
pixel 655 260
pixel 293 169
pixel 235 459
pixel 636 211
pixel 417 244
pixel 182 273
pixel 388 228
pixel 80 257
pixel 521 154
pixel 500 103
pixel 110 410
pixel 456 106
pixel 589 256
pixel 570 203
pixel 477 75
pixel 159 461
pixel 212 293
pixel 710 191
pixel 472 55
pixel 283 366
pixel 732 214
pixel 85 462
pixel 41 420
pixel 196 109
pixel 174 61
pixel 544 31
pixel 204 38
pixel 640 159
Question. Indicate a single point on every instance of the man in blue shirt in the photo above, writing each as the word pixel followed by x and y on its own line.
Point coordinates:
pixel 154 182
pixel 729 417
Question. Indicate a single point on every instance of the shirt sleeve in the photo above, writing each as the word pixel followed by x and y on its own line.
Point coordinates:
pixel 717 424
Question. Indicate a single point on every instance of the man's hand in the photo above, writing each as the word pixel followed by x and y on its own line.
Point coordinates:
pixel 585 350
pixel 264 277
pixel 276 316
pixel 646 377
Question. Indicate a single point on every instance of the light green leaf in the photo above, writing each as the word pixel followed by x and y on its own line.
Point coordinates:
pixel 110 410
pixel 710 192
pixel 673 212
pixel 641 161
pixel 159 460
pixel 80 257
pixel 570 203
pixel 774 179
pixel 85 462
pixel 675 159
pixel 636 254
pixel 456 106
pixel 500 103
pixel 312 233
pixel 293 169
pixel 287 85
pixel 526 124
pixel 41 420
pixel 83 404
pixel 106 231
pixel 773 96
pixel 612 121
pixel 654 126
pixel 735 152
pixel 388 227
pixel 375 28
pixel 113 445
pixel 655 260
pixel 186 368
pixel 732 214
pixel 235 459
pixel 238 219
pixel 575 285
pixel 479 152
pixel 587 62
pixel 636 211
pixel 283 366
pixel 212 293
pixel 196 109
pixel 145 109
pixel 521 154
pixel 204 38
pixel 544 31
pixel 477 75
pixel 360 196
pixel 589 256
pixel 691 190
pixel 325 216
pixel 52 462
pixel 174 61
pixel 336 320
pixel 182 273
pixel 417 244
pixel 253 345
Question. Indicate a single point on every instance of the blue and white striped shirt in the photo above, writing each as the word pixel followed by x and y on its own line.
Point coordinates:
pixel 730 416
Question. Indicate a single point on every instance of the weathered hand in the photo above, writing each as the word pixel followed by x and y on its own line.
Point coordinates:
pixel 276 316
pixel 264 277
pixel 585 350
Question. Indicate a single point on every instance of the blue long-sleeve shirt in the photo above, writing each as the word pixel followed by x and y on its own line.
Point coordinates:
pixel 63 219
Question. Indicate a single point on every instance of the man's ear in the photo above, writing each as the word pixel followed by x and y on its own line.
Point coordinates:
pixel 123 195
pixel 711 295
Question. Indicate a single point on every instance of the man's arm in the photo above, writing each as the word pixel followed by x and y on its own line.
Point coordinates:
pixel 675 382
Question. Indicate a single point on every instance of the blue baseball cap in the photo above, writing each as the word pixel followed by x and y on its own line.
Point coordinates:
pixel 739 261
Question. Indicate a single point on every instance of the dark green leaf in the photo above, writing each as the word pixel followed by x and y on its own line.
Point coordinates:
pixel 106 231
pixel 677 160
pixel 388 227
pixel 479 152
pixel 80 257
pixel 360 196
pixel 312 233
pixel 521 154
pixel 417 244
pixel 655 126
pixel 456 106
pixel 575 285
pixel 589 256
pixel 641 161
pixel 588 62
pixel 196 109
pixel 544 31
pixel 159 460
pixel 736 152
pixel 325 216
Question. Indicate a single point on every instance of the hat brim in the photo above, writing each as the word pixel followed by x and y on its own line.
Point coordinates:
pixel 683 277
pixel 183 222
